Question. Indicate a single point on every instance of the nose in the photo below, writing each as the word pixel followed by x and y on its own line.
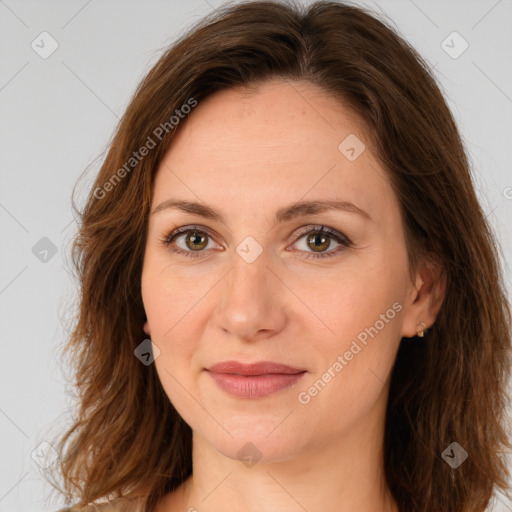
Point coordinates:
pixel 252 300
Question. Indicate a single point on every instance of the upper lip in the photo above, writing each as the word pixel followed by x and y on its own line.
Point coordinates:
pixel 260 368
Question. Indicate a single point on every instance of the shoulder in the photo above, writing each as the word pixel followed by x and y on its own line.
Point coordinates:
pixel 115 505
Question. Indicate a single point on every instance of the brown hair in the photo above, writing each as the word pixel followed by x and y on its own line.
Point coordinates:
pixel 127 439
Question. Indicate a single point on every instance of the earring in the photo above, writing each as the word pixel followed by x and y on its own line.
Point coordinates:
pixel 421 332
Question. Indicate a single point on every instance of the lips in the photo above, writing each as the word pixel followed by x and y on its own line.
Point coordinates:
pixel 256 380
pixel 262 368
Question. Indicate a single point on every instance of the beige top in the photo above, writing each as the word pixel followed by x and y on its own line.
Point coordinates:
pixel 115 505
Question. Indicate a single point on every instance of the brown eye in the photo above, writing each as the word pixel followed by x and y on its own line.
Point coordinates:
pixel 189 241
pixel 196 240
pixel 320 242
pixel 316 241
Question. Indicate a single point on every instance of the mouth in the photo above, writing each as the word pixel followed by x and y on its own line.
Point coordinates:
pixel 256 380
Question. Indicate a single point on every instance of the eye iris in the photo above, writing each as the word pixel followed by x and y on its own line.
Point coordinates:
pixel 314 238
pixel 196 239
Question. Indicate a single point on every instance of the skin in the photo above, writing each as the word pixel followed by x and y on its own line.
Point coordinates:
pixel 248 153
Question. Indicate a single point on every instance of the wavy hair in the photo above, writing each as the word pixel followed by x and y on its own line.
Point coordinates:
pixel 127 439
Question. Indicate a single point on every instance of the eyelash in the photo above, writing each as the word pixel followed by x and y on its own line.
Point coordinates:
pixel 322 230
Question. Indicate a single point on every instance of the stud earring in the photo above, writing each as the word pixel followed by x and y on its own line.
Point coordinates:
pixel 421 332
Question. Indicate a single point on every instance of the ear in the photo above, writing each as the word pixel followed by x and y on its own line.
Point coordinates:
pixel 424 299
pixel 146 328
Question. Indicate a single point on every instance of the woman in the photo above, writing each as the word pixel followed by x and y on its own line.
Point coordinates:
pixel 291 298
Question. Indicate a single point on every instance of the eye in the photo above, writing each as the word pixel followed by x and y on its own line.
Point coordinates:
pixel 319 239
pixel 193 239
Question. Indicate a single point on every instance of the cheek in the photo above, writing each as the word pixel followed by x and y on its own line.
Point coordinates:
pixel 171 322
pixel 177 336
pixel 361 320
pixel 350 299
pixel 163 296
pixel 351 373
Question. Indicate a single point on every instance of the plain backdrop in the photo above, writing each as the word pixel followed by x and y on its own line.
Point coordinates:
pixel 59 110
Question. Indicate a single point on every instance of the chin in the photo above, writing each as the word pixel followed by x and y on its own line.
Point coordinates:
pixel 253 440
pixel 250 450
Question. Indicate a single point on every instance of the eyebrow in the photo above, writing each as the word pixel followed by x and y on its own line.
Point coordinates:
pixel 298 209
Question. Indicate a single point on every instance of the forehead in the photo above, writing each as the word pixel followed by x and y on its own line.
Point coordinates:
pixel 280 138
pixel 291 113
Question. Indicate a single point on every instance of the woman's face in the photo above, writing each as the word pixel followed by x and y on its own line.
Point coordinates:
pixel 259 286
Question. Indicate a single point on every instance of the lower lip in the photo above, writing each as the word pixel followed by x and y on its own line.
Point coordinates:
pixel 254 386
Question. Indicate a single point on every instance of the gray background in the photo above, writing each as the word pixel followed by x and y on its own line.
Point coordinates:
pixel 56 117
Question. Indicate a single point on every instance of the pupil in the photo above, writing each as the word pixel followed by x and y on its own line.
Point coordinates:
pixel 197 239
pixel 321 239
